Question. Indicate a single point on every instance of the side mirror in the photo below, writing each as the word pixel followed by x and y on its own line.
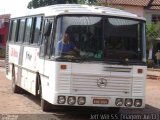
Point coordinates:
pixel 47 29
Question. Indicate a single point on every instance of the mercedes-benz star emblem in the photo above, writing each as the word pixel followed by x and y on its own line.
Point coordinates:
pixel 102 82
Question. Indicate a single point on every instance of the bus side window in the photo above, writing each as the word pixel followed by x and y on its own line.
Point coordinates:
pixel 43 41
pixel 36 34
pixel 21 30
pixel 17 31
pixel 47 42
pixel 50 40
pixel 13 31
pixel 28 28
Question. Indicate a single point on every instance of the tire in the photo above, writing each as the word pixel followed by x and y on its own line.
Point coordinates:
pixel 38 85
pixel 45 106
pixel 15 88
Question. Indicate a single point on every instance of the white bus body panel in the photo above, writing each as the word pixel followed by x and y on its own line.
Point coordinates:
pixel 13 53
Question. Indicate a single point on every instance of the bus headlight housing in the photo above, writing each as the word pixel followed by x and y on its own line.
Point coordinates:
pixel 71 100
pixel 119 102
pixel 137 102
pixel 128 102
pixel 61 99
pixel 81 100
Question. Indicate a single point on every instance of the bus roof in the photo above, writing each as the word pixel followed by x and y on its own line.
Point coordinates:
pixel 61 9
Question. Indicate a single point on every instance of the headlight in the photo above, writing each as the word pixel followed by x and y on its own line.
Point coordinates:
pixel 81 100
pixel 61 99
pixel 71 100
pixel 137 102
pixel 119 102
pixel 128 102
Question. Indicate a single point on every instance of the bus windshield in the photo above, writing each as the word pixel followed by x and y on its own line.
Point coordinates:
pixel 100 38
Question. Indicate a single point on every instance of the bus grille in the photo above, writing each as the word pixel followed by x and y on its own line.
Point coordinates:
pixel 115 86
pixel 7 58
pixel 138 87
pixel 118 69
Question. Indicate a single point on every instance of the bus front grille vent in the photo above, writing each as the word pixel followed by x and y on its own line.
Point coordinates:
pixel 7 58
pixel 117 69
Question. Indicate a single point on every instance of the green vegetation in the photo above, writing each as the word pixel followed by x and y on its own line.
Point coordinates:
pixel 153 32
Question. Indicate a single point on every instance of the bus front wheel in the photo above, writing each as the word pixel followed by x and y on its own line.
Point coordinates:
pixel 45 106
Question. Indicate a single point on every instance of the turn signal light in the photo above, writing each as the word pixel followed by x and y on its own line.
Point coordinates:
pixel 140 71
pixel 63 67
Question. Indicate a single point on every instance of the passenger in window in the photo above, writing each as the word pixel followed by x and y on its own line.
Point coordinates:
pixel 66 47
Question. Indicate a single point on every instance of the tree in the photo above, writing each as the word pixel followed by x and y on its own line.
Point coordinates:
pixel 153 32
pixel 41 3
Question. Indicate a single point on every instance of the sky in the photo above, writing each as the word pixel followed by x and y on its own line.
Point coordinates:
pixel 12 6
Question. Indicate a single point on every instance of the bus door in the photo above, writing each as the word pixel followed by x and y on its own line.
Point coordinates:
pixel 45 56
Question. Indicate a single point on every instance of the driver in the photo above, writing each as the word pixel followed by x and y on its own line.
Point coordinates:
pixel 65 46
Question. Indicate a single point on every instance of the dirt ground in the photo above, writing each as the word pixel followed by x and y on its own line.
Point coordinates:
pixel 153 93
pixel 14 103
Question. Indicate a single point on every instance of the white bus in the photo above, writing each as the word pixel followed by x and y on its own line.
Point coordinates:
pixel 109 70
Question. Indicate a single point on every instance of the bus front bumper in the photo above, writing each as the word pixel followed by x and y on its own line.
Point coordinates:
pixel 98 101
